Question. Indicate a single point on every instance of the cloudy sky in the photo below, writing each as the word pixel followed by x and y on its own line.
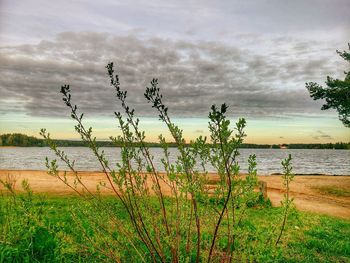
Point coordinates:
pixel 254 55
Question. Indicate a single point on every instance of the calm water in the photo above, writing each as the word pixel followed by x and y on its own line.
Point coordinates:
pixel 334 162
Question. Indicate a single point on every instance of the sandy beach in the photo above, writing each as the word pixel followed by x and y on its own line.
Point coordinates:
pixel 308 190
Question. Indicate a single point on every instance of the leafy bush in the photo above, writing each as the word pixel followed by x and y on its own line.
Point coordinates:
pixel 197 223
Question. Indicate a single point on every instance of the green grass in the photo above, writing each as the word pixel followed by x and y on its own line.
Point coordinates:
pixel 44 230
pixel 333 190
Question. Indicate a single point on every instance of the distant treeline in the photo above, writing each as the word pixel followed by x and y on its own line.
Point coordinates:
pixel 338 145
pixel 22 140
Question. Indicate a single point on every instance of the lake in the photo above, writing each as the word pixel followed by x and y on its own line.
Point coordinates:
pixel 305 161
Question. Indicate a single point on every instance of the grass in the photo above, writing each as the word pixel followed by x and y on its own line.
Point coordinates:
pixel 333 190
pixel 46 230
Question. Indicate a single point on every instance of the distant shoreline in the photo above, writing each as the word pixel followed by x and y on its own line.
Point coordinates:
pixel 22 140
pixel 244 146
pixel 91 172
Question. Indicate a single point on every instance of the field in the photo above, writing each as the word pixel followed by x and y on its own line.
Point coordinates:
pixel 50 224
pixel 47 231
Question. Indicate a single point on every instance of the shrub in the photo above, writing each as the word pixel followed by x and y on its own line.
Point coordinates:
pixel 197 223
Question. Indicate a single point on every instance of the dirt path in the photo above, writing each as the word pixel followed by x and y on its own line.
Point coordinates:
pixel 308 195
pixel 305 189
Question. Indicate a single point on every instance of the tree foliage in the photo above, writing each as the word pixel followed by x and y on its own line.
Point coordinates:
pixel 18 139
pixel 336 94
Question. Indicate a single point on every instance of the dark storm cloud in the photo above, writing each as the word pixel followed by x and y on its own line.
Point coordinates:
pixel 192 75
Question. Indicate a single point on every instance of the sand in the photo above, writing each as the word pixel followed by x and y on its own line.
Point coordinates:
pixel 304 189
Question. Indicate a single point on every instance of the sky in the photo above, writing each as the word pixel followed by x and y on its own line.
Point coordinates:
pixel 253 55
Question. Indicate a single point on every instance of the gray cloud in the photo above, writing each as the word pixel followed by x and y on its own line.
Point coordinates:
pixel 192 75
pixel 321 135
pixel 32 20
